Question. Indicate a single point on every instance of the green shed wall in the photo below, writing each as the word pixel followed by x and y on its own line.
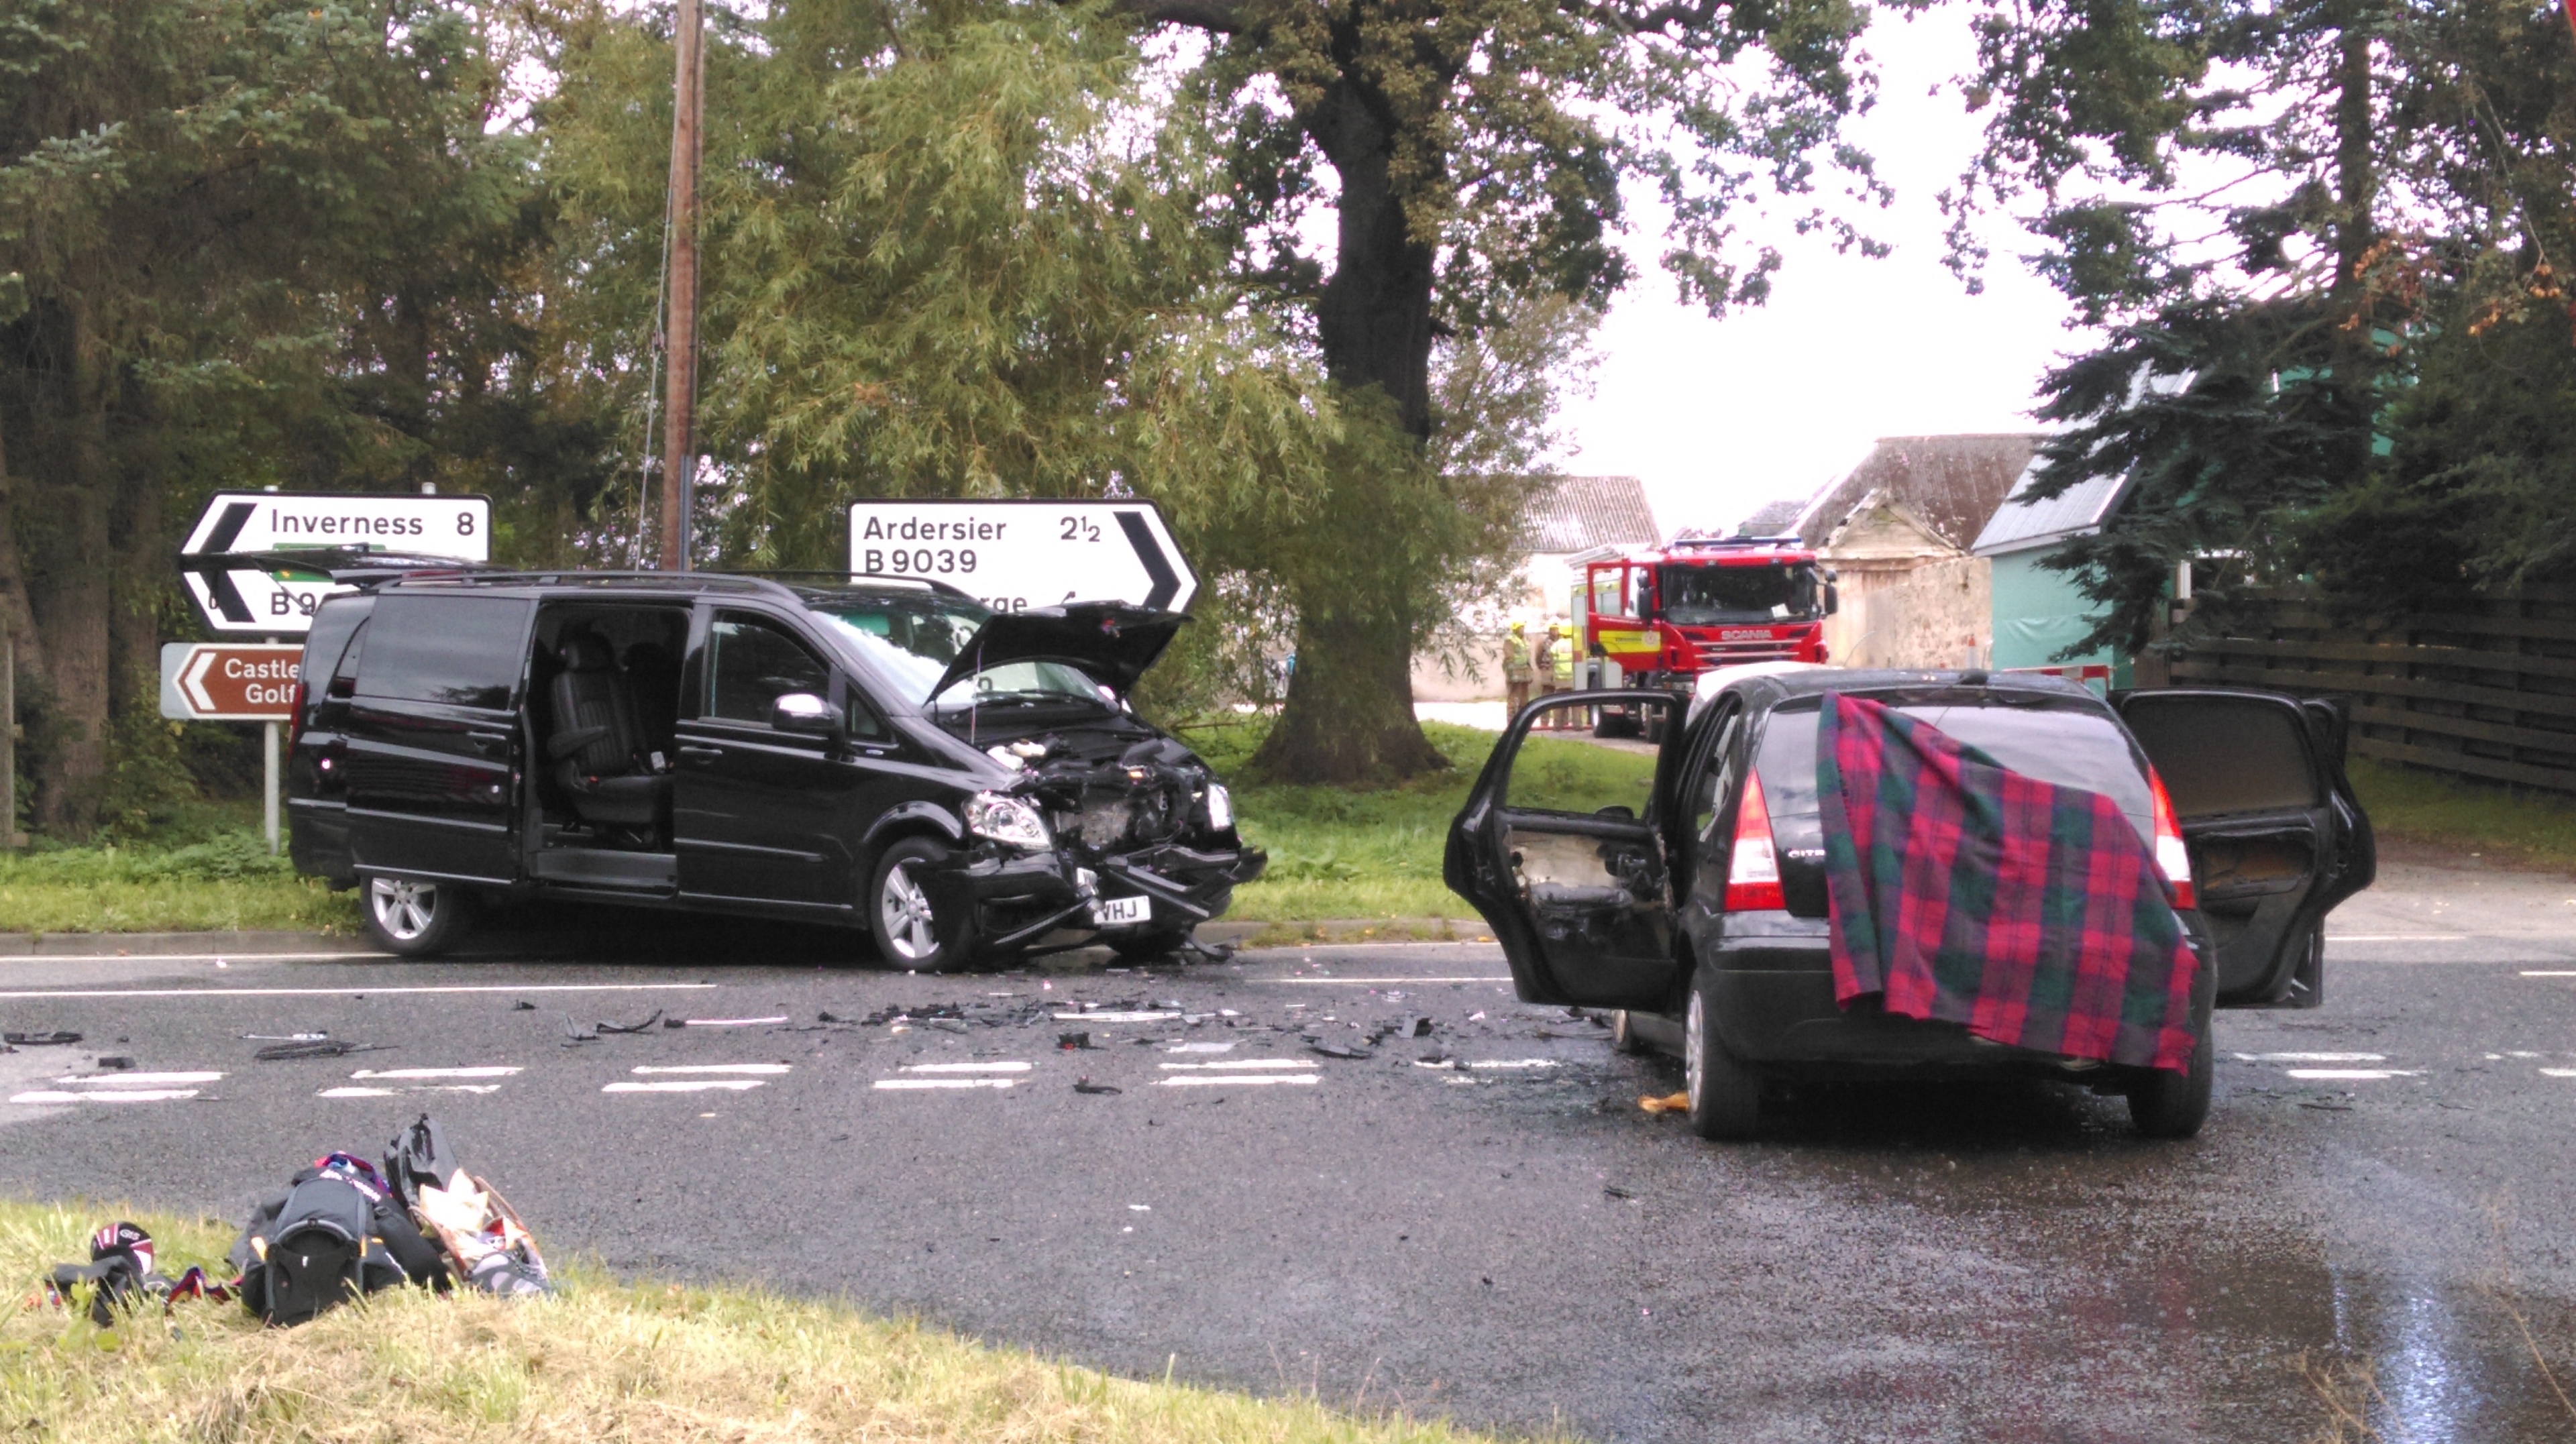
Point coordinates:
pixel 2040 613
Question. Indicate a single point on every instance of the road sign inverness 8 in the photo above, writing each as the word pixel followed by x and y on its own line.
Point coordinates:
pixel 1014 555
pixel 252 600
pixel 228 682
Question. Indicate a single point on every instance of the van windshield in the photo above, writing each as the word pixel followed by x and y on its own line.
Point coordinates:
pixel 914 638
pixel 2069 746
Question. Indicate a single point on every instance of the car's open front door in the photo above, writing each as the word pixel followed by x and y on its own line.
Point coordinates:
pixel 2275 834
pixel 1557 847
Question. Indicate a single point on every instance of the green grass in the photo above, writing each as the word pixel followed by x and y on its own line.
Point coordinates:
pixel 2424 807
pixel 1340 853
pixel 207 869
pixel 644 1363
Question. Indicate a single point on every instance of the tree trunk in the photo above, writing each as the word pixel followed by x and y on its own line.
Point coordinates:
pixel 68 586
pixel 2357 358
pixel 1349 714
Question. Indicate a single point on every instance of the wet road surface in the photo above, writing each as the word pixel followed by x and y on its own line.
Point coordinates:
pixel 2377 1207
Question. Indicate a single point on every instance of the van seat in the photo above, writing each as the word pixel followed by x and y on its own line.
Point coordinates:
pixel 600 755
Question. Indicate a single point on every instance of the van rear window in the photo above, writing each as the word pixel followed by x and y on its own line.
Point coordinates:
pixel 2065 745
pixel 464 651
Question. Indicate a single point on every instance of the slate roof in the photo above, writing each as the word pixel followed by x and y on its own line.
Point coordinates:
pixel 1951 484
pixel 2017 525
pixel 1579 513
pixel 1772 518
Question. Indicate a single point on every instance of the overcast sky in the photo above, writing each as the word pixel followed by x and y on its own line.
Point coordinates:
pixel 1721 416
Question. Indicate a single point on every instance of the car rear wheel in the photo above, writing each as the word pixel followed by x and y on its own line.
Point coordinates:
pixel 911 933
pixel 415 917
pixel 2167 1104
pixel 1725 1092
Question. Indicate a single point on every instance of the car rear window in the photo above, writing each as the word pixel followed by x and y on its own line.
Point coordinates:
pixel 465 651
pixel 2069 746
pixel 2220 755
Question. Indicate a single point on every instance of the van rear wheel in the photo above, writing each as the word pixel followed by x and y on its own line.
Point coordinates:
pixel 417 918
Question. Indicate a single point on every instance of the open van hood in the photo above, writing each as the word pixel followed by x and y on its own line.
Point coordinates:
pixel 1112 641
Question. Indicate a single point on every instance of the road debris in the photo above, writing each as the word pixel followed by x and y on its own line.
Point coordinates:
pixel 1669 1103
pixel 1085 1085
pixel 1073 1042
pixel 39 1040
pixel 1338 1050
pixel 316 1048
pixel 606 1026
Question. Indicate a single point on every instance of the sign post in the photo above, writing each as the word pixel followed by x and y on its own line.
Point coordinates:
pixel 1015 555
pixel 252 599
pixel 10 836
pixel 236 682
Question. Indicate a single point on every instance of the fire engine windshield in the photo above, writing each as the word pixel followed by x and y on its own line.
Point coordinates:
pixel 1710 596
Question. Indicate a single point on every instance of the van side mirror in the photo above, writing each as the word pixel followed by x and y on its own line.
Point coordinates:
pixel 804 714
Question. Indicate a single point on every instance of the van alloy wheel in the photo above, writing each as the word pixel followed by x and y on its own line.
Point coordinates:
pixel 405 909
pixel 905 910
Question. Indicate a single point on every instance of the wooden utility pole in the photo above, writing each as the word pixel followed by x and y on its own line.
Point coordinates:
pixel 680 398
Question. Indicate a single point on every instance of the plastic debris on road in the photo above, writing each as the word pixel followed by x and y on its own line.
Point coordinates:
pixel 1669 1103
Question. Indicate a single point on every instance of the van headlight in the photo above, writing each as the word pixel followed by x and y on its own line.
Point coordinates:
pixel 1220 805
pixel 1007 819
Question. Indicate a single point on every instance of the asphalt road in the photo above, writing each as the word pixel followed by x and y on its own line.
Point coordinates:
pixel 2379 1194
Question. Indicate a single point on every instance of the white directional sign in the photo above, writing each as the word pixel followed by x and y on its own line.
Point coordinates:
pixel 1014 555
pixel 258 601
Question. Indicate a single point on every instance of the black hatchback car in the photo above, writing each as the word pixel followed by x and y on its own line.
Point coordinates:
pixel 968 785
pixel 1705 921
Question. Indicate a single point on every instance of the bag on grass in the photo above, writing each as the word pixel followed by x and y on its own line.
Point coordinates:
pixel 120 1274
pixel 336 1233
pixel 480 1234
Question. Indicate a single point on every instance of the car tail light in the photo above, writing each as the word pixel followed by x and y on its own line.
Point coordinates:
pixel 1753 868
pixel 2171 855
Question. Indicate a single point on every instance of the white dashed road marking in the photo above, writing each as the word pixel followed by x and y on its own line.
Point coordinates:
pixel 1233 1080
pixel 416 1088
pixel 728 1022
pixel 2351 1075
pixel 769 1068
pixel 918 1085
pixel 131 1079
pixel 1108 1017
pixel 104 1095
pixel 485 1072
pixel 965 1067
pixel 2558 1072
pixel 2312 1057
pixel 370 991
pixel 1513 1063
pixel 693 1085
pixel 1241 1065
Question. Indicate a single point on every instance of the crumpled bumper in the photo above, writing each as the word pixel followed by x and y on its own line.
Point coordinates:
pixel 1017 898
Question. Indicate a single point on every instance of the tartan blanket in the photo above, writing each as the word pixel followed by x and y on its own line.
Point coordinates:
pixel 1965 892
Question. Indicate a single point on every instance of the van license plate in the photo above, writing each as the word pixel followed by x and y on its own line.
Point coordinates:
pixel 1121 912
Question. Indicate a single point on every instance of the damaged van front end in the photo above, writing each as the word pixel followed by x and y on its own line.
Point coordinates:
pixel 1104 829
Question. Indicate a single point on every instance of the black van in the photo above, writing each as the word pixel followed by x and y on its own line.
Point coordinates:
pixel 880 752
pixel 1697 902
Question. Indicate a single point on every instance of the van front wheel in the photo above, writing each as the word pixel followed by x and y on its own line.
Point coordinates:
pixel 910 932
pixel 417 918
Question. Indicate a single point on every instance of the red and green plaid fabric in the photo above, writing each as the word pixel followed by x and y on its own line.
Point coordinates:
pixel 1966 892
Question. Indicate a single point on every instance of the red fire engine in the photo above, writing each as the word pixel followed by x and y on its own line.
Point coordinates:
pixel 1667 616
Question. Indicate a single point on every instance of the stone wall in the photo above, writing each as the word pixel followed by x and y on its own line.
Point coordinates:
pixel 1940 615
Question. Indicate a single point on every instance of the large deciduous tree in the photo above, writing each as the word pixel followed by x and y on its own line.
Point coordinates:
pixel 1476 151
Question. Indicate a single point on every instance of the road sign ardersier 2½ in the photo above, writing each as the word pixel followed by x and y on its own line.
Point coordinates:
pixel 1015 555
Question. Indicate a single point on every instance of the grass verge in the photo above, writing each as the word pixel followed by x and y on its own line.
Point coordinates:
pixel 1342 853
pixel 208 869
pixel 602 1360
pixel 2502 827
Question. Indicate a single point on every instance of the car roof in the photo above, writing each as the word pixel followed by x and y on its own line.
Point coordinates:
pixel 1774 688
pixel 793 588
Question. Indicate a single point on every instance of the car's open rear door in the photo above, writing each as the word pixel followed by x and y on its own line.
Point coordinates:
pixel 1557 847
pixel 2276 837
